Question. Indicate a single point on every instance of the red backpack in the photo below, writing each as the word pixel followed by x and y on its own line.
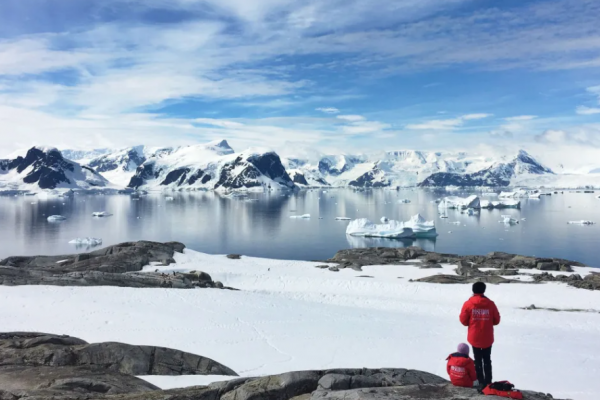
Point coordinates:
pixel 502 389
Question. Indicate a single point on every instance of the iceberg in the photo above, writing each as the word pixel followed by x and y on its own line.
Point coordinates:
pixel 582 222
pixel 508 220
pixel 404 201
pixel 365 228
pixel 342 219
pixel 384 220
pixel 534 195
pixel 508 204
pixel 169 198
pixel 55 218
pixel 305 216
pixel 101 214
pixel 486 204
pixel 421 227
pixel 87 241
pixel 455 202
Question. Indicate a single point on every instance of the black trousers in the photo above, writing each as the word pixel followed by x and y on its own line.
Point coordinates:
pixel 483 364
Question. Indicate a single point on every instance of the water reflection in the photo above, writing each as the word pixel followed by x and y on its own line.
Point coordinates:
pixel 260 224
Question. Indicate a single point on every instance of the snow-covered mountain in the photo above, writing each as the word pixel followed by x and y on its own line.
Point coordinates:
pixel 120 166
pixel 390 169
pixel 212 166
pixel 46 168
pixel 500 173
pixel 82 156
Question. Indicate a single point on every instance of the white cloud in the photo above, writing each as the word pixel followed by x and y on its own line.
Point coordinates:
pixel 446 124
pixel 351 118
pixel 583 110
pixel 521 118
pixel 329 110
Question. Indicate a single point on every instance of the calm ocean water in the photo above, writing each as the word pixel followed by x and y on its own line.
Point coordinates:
pixel 210 223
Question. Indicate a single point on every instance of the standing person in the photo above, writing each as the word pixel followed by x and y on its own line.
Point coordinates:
pixel 480 314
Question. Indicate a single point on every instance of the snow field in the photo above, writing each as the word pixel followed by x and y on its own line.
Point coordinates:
pixel 292 316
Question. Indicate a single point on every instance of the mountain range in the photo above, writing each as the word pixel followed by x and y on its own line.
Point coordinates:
pixel 216 166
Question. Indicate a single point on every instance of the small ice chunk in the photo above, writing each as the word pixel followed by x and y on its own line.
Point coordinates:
pixel 455 222
pixel 55 218
pixel 582 222
pixel 305 216
pixel 169 198
pixel 101 214
pixel 343 218
pixel 87 241
pixel 404 201
pixel 508 220
pixel 384 220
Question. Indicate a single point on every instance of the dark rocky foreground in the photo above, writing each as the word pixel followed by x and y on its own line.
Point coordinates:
pixel 468 267
pixel 117 265
pixel 36 366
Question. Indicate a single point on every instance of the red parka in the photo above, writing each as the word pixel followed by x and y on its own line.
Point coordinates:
pixel 480 314
pixel 461 369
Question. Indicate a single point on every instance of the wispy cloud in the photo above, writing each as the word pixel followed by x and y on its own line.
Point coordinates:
pixel 584 110
pixel 446 124
pixel 521 118
pixel 329 110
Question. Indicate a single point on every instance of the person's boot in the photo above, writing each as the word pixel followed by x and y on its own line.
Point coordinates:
pixel 480 387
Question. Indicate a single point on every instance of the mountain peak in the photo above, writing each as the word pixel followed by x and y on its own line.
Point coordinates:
pixel 222 143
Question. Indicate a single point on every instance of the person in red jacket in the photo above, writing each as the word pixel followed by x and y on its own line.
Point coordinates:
pixel 461 367
pixel 480 314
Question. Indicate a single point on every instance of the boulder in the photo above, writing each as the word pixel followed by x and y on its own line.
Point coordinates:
pixel 548 266
pixel 234 256
pixel 466 279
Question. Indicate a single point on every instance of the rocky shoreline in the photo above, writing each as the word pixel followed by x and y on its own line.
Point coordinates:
pixel 121 265
pixel 492 268
pixel 36 366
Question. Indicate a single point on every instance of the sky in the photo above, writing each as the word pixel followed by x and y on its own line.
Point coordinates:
pixel 340 76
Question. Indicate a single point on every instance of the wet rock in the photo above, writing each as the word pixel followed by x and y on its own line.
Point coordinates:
pixel 429 266
pixel 548 266
pixel 334 269
pixel 234 256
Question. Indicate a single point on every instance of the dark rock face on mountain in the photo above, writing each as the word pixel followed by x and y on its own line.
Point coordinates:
pixel 46 366
pixel 48 169
pixel 499 174
pixel 142 174
pixel 300 179
pixel 252 168
pixel 371 179
pixel 117 265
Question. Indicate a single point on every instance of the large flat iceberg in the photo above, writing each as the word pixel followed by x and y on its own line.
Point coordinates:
pixel 416 227
pixel 366 228
pixel 101 214
pixel 305 216
pixel 455 202
pixel 55 218
pixel 507 203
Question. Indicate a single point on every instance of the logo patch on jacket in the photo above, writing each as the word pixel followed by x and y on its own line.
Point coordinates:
pixel 480 314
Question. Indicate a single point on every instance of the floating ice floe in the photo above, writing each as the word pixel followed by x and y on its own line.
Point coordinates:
pixel 384 220
pixel 582 222
pixel 455 202
pixel 169 198
pixel 508 220
pixel 436 201
pixel 455 222
pixel 534 195
pixel 343 218
pixel 87 241
pixel 507 203
pixel 101 214
pixel 404 201
pixel 305 216
pixel 55 218
pixel 393 229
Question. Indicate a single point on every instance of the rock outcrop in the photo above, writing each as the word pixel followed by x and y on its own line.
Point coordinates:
pixel 42 366
pixel 498 266
pixel 117 265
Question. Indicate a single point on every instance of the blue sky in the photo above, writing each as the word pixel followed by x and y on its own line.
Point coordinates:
pixel 337 75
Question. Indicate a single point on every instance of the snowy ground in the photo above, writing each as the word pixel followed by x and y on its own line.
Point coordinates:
pixel 292 316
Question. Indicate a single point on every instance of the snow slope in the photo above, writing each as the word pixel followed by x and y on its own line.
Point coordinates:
pixel 292 316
